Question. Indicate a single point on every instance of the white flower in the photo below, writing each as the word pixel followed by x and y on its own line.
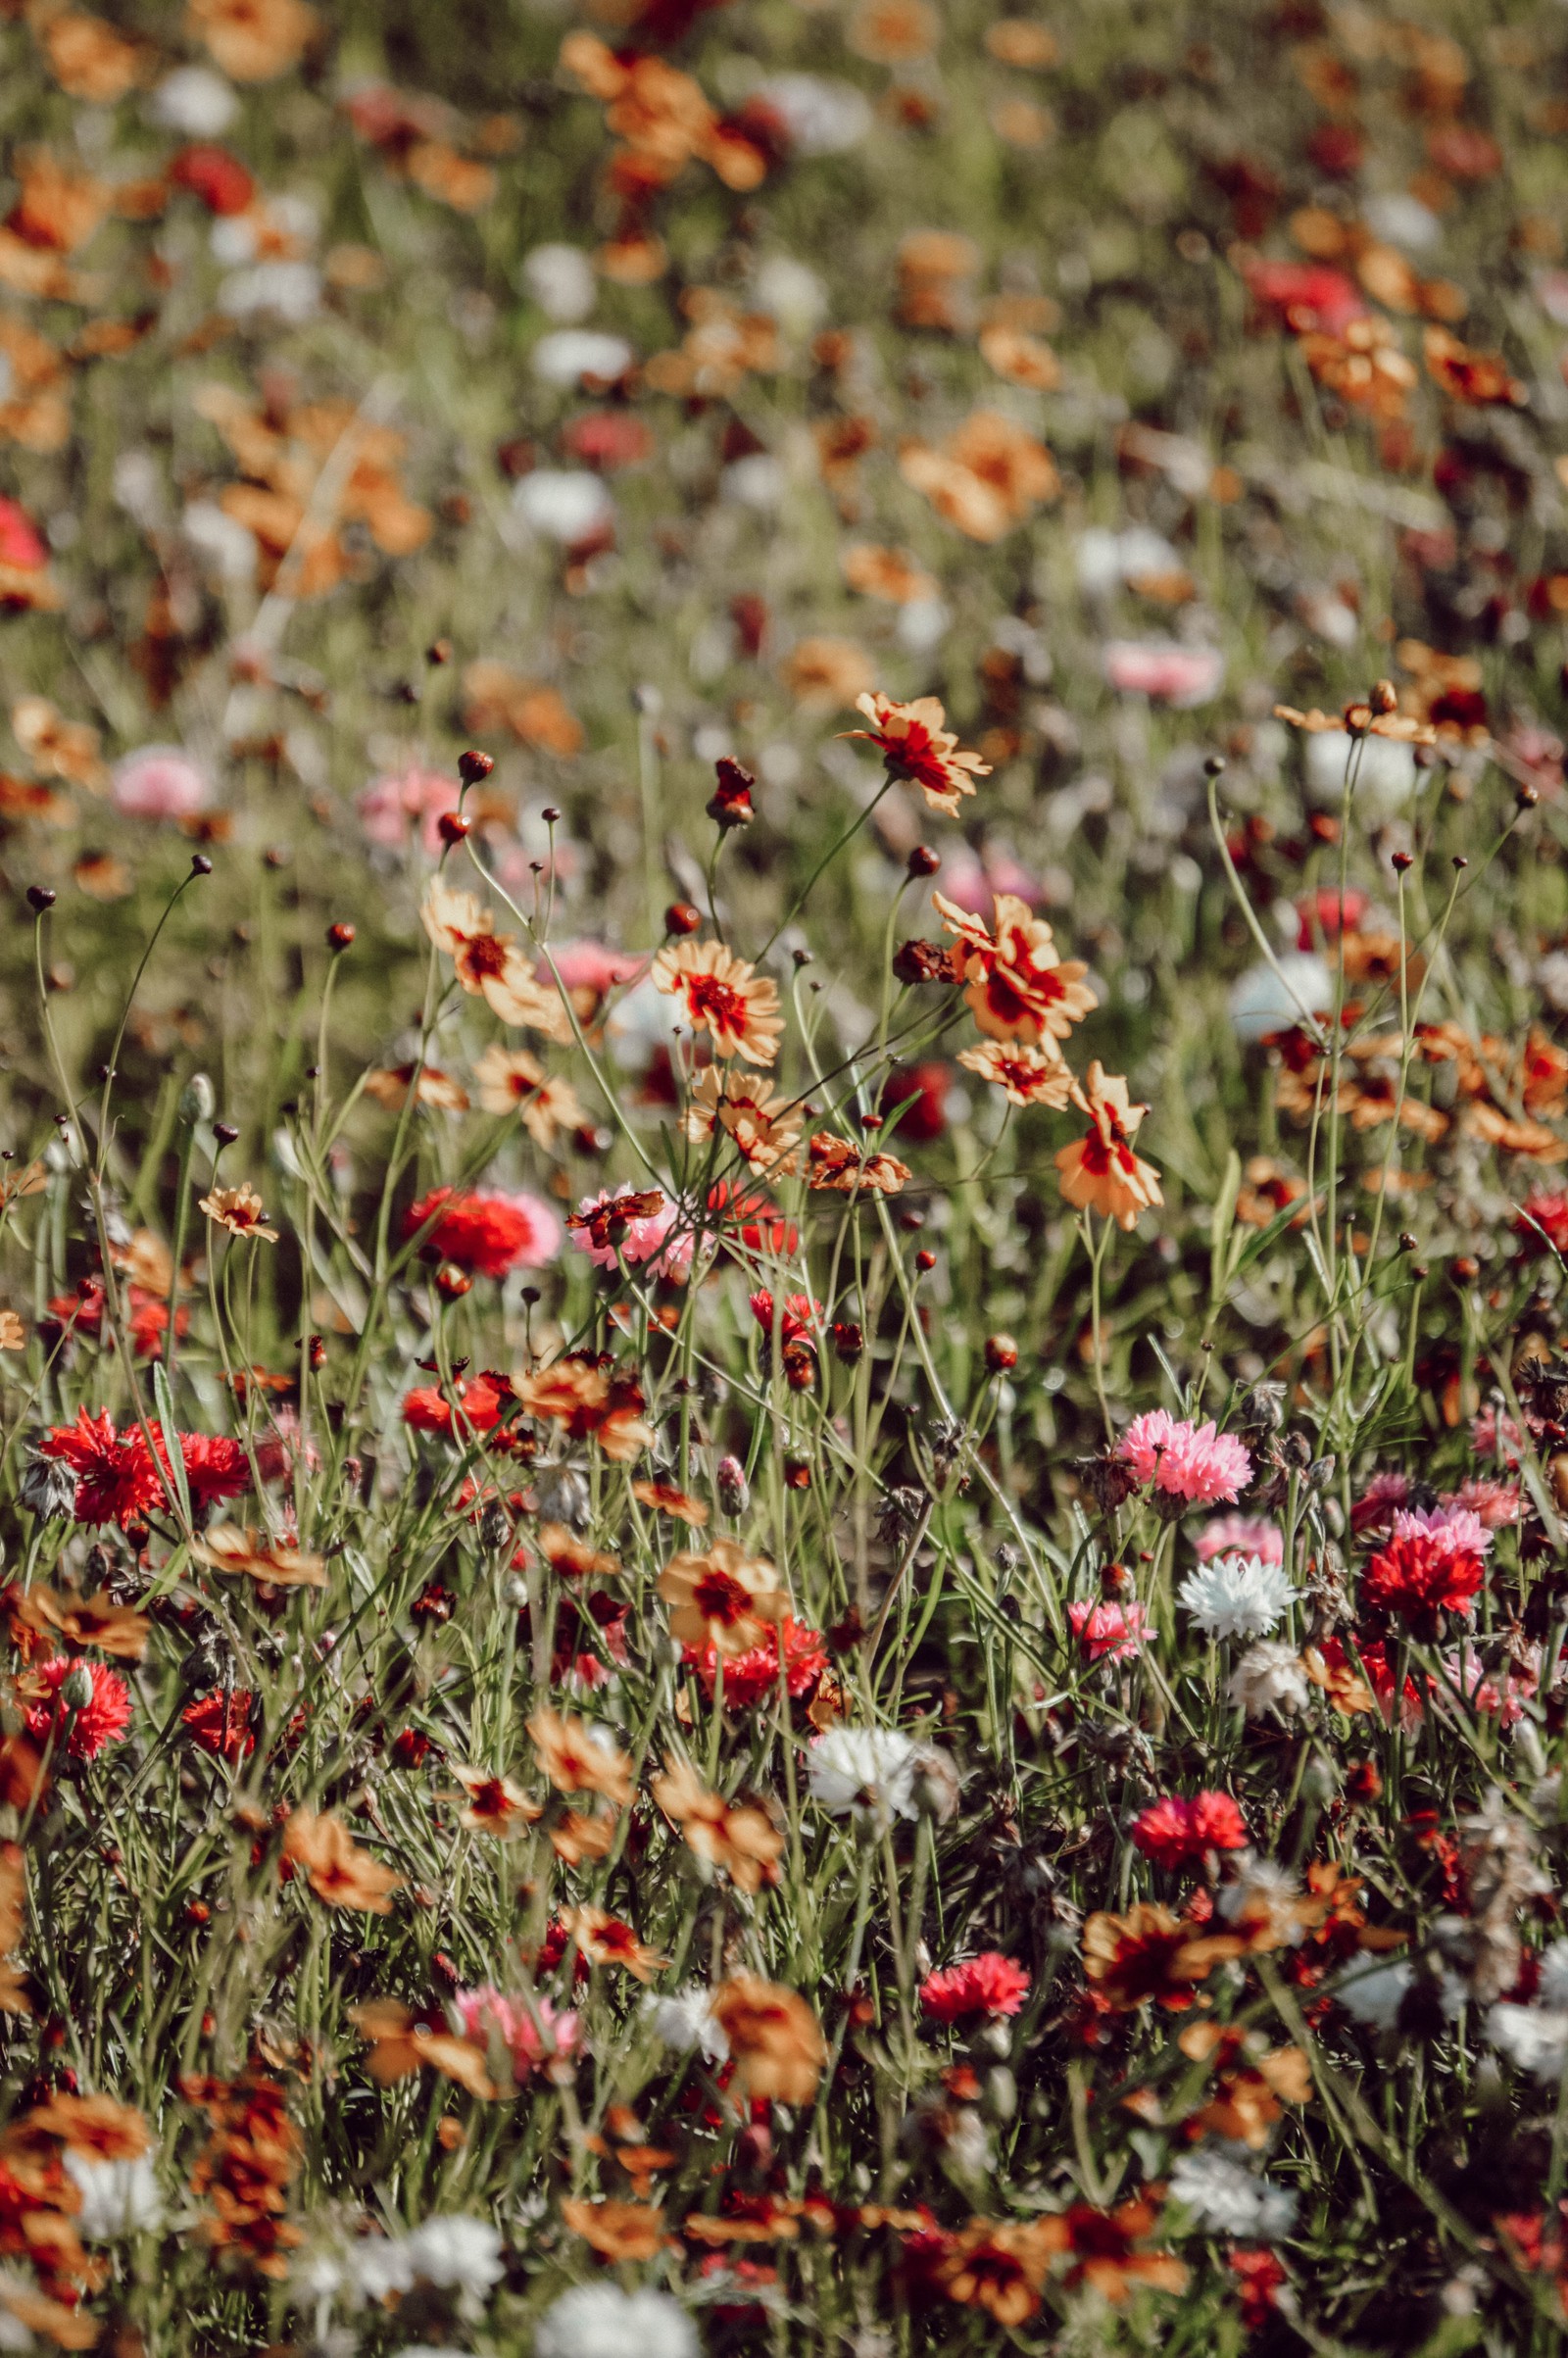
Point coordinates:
pixel 755 481
pixel 794 294
pixel 1260 1002
pixel 117 2197
pixel 561 280
pixel 291 291
pixel 1403 221
pixel 821 117
pixel 457 2251
pixel 574 353
pixel 222 541
pixel 1375 1993
pixel 1534 2038
pixel 1262 1894
pixel 1269 1678
pixel 600 2321
pixel 195 101
pixel 1385 772
pixel 563 503
pixel 429 2349
pixel 1228 2198
pixel 685 2019
pixel 378 2266
pixel 864 1773
pixel 1236 1596
pixel 1553 1988
pixel 923 623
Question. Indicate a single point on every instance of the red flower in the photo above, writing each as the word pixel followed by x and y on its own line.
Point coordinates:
pixel 20 545
pixel 215 1467
pixel 1325 912
pixel 801 1318
pixel 486 1232
pixel 752 1677
pixel 1542 1224
pixel 116 1479
pixel 918 1095
pixel 212 174
pixel 1175 1833
pixel 609 439
pixel 102 1719
pixel 1258 2275
pixel 220 1724
pixel 751 1220
pixel 1421 1574
pixel 989 1983
pixel 427 1409
pixel 1308 295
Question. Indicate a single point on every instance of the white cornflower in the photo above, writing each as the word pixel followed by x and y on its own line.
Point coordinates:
pixel 1553 1986
pixel 563 502
pixel 1236 1596
pixel 570 354
pixel 195 101
pixel 1534 2038
pixel 685 2019
pixel 457 2251
pixel 600 2321
pixel 117 2197
pixel 1261 1895
pixel 561 280
pixel 290 291
pixel 380 2266
pixel 1228 2198
pixel 864 1773
pixel 1374 1994
pixel 1269 1678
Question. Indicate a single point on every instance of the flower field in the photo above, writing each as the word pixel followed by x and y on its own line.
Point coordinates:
pixel 783 1178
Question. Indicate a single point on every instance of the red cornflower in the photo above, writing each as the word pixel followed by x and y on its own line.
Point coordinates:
pixel 989 1983
pixel 102 1718
pixel 116 1479
pixel 215 1467
pixel 800 1316
pixel 219 179
pixel 1115 1629
pixel 1418 1575
pixel 484 1232
pixel 1542 1224
pixel 751 1220
pixel 1176 1833
pixel 752 1677
pixel 220 1724
pixel 427 1409
pixel 1258 2275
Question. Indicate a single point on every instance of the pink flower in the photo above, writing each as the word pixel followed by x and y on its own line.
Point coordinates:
pixel 1451 1526
pixel 1496 1502
pixel 1109 1631
pixel 531 2035
pixel 1195 1462
pixel 1180 675
pixel 1466 1677
pixel 1242 1535
pixel 391 808
pixel 989 1983
pixel 972 882
pixel 590 966
pixel 1497 1436
pixel 159 782
pixel 1374 1509
pixel 641 1241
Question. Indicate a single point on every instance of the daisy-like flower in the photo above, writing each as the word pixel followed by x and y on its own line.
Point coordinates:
pixel 1100 1172
pixel 989 1985
pixel 774 2037
pixel 840 1168
pixel 579 1758
pixel 490 965
pixel 227 1547
pixel 1020 987
pixel 1195 1463
pixel 512 1081
pixel 239 1210
pixel 735 1835
pixel 686 2021
pixel 1236 1596
pixel 1269 1678
pixel 724 1598
pixel 1027 1072
pixel 605 1939
pixel 723 995
pixel 746 1109
pixel 1112 1633
pixel 612 1227
pixel 918 750
pixel 866 1774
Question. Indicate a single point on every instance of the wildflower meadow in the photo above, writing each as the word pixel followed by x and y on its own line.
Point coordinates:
pixel 783 1178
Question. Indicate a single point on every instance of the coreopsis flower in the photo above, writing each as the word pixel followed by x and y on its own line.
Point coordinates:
pixel 918 750
pixel 1269 1678
pixel 337 1870
pixel 227 1547
pixel 841 1170
pixel 1236 1596
pixel 989 1986
pixel 605 1939
pixel 221 1723
pixel 1150 1953
pixel 752 1677
pixel 1020 987
pixel 534 2033
pixel 1110 1631
pixel 1420 1574
pixel 40 1611
pixel 588 1400
pixel 484 1232
pixel 117 1480
pixel 664 1498
pixel 724 1598
pixel 746 1109
pixel 723 995
pixel 250 2158
pixel 1176 1833
pixel 866 1774
pixel 1194 1464
pixel 1027 1072
pixel 998 2265
pixel 617 2230
pixel 239 1210
pixel 490 965
pixel 255 40
pixel 774 2037
pixel 495 1804
pixel 737 1837
pixel 579 1758
pixel 1104 2249
pixel 391 1085
pixel 81 1704
pixel 1100 1172
pixel 401 2047
pixel 511 1080
pixel 572 1558
pixel 641 1229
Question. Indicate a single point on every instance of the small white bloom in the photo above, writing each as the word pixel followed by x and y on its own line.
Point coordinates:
pixel 1269 1678
pixel 794 294
pixel 600 2321
pixel 378 2266
pixel 1385 771
pixel 1403 221
pixel 1228 2198
pixel 755 481
pixel 570 354
pixel 457 2251
pixel 429 2349
pixel 222 541
pixel 139 487
pixel 561 280
pixel 864 1773
pixel 117 2197
pixel 1263 1895
pixel 685 2019
pixel 1534 2038
pixel 1236 1596
pixel 564 504
pixel 922 623
pixel 821 117
pixel 1553 1988
pixel 290 290
pixel 1375 1993
pixel 194 101
pixel 1261 1001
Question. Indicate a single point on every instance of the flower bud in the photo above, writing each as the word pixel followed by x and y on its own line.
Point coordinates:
pixel 340 937
pixel 731 1487
pixel 474 767
pixel 76 1688
pixel 934 1784
pixel 682 917
pixel 849 1342
pixel 1002 1353
pixel 197 1102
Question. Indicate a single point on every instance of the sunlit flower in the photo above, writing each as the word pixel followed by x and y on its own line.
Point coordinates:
pixel 917 748
pixel 239 1210
pixel 605 1939
pixel 1027 1073
pixel 721 995
pixel 1020 987
pixel 747 1110
pixel 723 1597
pixel 1227 2198
pixel 737 1837
pixel 1195 1463
pixel 1269 1678
pixel 774 2037
pixel 1420 1573
pixel 643 1230
pixel 485 1232
pixel 866 1774
pixel 1236 1596
pixel 337 1869
pixel 511 1080
pixel 1100 1172
pixel 579 1758
pixel 990 1985
pixel 490 965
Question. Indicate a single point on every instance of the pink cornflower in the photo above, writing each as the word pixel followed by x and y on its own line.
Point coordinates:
pixel 989 1983
pixel 1182 676
pixel 1197 1463
pixel 1451 1526
pixel 531 2036
pixel 392 809
pixel 1114 1632
pixel 1374 1509
pixel 159 782
pixel 590 966
pixel 99 1715
pixel 1496 1502
pixel 1240 1535
pixel 1176 1833
pixel 1497 1438
pixel 647 1240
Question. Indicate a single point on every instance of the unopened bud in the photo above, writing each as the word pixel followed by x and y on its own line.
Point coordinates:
pixel 1002 1353
pixel 474 767
pixel 731 1487
pixel 934 1784
pixel 197 1103
pixel 76 1688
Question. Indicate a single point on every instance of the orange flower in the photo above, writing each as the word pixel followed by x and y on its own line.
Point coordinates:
pixel 1150 1953
pixel 57 748
pixel 1026 1074
pixel 665 1499
pixel 254 40
pixel 84 1620
pixel 511 1080
pixel 617 2230
pixel 1020 987
pixel 776 2038
pixel 337 1870
pixel 496 1805
pixel 572 1558
pixel 495 698
pixel 742 1840
pixel 589 1400
pixel 576 1761
pixel 878 572
pixel 489 964
pixel 1101 1171
pixel 239 1210
pixel 726 1598
pixel 1022 359
pixel 996 2265
pixel 88 57
pixel 838 1167
pixel 1474 377
pixel 58 208
pixel 917 748
pixel 893 32
pixel 390 1085
pixel 744 1105
pixel 576 1836
pixel 399 2047
pixel 604 1940
pixel 984 479
pixel 724 997
pixel 824 673
pixel 1103 2247
pixel 1022 42
pixel 96 2126
pixel 228 1549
